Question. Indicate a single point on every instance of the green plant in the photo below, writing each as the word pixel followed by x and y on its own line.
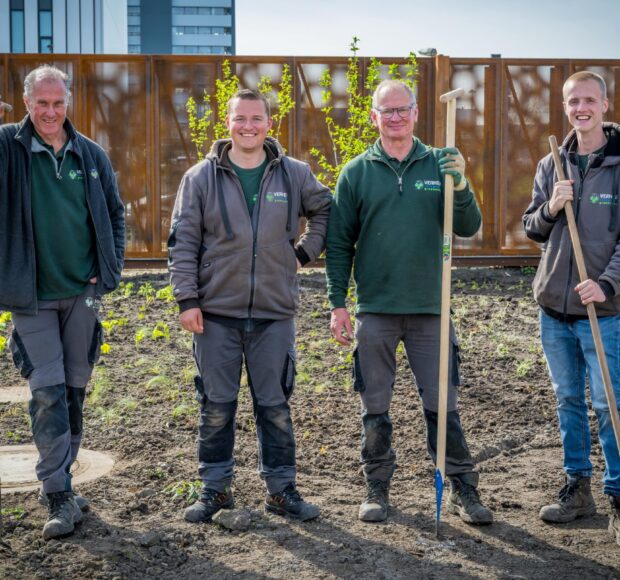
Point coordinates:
pixel 211 118
pixel 354 137
pixel 183 410
pixel 165 294
pixel 161 330
pixel 3 343
pixel 158 381
pixel 524 368
pixel 284 98
pixel 16 513
pixel 5 318
pixel 139 336
pixel 189 491
pixel 147 292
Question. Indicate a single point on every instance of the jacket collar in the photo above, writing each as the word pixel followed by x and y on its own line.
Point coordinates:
pixel 25 134
pixel 611 153
pixel 221 147
pixel 377 153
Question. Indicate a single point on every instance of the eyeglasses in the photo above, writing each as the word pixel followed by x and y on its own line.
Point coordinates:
pixel 403 112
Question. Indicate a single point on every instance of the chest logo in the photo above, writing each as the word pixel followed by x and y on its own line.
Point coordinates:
pixel 603 199
pixel 76 174
pixel 277 197
pixel 94 174
pixel 428 185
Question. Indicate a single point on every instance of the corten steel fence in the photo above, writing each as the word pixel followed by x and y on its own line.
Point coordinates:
pixel 134 106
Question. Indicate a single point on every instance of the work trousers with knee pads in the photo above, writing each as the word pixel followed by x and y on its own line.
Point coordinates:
pixel 374 371
pixel 55 350
pixel 269 357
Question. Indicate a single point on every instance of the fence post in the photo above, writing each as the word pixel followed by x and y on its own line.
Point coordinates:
pixel 442 85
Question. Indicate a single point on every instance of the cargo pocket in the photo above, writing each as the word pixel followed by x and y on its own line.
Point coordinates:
pixel 94 352
pixel 455 363
pixel 20 356
pixel 288 376
pixel 200 391
pixel 358 380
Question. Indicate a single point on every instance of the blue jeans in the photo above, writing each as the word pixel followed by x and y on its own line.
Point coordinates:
pixel 571 354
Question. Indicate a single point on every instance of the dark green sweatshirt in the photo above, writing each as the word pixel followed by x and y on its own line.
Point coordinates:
pixel 386 224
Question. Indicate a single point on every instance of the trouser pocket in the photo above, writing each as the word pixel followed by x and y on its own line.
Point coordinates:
pixel 456 363
pixel 356 370
pixel 200 391
pixel 94 351
pixel 20 356
pixel 288 375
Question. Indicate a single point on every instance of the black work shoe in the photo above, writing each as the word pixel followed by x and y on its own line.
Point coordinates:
pixel 82 502
pixel 63 514
pixel 614 517
pixel 288 502
pixel 574 500
pixel 375 506
pixel 210 502
pixel 464 501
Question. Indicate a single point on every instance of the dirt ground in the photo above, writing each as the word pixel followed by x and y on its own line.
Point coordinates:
pixel 141 410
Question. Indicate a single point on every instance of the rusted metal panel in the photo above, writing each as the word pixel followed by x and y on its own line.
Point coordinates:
pixel 134 106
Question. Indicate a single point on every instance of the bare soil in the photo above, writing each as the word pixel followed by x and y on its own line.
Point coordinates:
pixel 141 410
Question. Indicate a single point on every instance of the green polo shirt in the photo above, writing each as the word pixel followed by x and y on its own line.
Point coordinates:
pixel 63 231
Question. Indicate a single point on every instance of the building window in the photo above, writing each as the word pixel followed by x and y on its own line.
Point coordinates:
pixel 18 43
pixel 45 26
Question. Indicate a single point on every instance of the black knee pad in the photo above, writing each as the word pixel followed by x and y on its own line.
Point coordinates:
pixel 275 431
pixel 48 412
pixel 75 404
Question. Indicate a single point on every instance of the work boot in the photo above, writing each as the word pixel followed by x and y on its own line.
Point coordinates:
pixel 63 515
pixel 375 506
pixel 464 501
pixel 288 502
pixel 210 502
pixel 574 500
pixel 82 502
pixel 614 517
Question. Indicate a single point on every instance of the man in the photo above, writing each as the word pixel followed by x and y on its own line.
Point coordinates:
pixel 591 157
pixel 386 223
pixel 61 247
pixel 233 267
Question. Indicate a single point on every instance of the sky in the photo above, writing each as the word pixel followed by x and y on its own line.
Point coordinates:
pixel 580 29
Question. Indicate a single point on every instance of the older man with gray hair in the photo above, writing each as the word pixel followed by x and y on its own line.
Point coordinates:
pixel 386 226
pixel 61 247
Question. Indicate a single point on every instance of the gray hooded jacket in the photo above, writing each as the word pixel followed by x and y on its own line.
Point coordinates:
pixel 230 263
pixel 596 212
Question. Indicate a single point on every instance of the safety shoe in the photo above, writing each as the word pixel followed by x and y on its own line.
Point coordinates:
pixel 614 517
pixel 63 514
pixel 464 501
pixel 574 500
pixel 288 502
pixel 375 506
pixel 210 502
pixel 82 502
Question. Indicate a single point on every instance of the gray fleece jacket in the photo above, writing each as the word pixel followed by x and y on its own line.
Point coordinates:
pixel 230 263
pixel 596 212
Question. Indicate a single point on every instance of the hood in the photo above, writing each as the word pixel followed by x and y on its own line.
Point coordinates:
pixel 611 153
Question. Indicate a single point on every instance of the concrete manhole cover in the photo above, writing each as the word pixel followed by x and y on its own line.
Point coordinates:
pixel 17 467
pixel 14 394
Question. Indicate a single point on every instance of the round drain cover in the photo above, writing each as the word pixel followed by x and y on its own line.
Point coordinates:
pixel 14 394
pixel 17 463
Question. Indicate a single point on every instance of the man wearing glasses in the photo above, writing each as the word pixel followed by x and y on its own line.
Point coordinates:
pixel 386 225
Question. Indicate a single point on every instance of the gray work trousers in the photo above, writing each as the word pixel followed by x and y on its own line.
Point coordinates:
pixel 269 356
pixel 378 336
pixel 56 350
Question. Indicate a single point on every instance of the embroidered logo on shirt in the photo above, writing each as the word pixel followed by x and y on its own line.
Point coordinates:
pixel 428 185
pixel 277 197
pixel 94 174
pixel 76 174
pixel 603 199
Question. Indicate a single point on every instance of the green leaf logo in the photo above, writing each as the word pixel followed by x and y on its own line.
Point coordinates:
pixel 419 184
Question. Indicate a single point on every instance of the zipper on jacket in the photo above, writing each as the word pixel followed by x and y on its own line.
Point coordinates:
pixel 255 240
pixel 576 207
pixel 400 177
